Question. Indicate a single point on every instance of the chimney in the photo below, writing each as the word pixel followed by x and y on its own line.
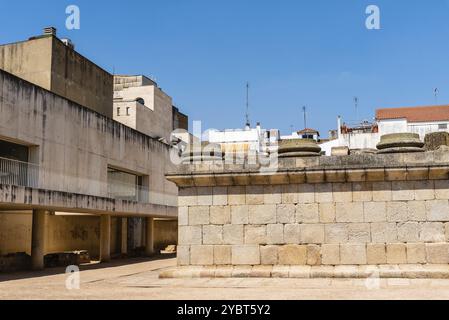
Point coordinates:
pixel 50 31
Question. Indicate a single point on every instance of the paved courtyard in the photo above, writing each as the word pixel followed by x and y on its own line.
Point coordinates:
pixel 138 279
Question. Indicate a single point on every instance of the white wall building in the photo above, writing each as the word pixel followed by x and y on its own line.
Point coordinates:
pixel 420 120
pixel 244 140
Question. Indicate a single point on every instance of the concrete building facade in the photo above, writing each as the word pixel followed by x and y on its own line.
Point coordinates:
pixel 140 104
pixel 72 178
pixel 48 62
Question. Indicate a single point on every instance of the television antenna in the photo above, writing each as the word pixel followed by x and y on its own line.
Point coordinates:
pixel 304 110
pixel 247 105
pixel 436 91
pixel 356 105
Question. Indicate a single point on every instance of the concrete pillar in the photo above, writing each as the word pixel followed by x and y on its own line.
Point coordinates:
pixel 149 246
pixel 105 238
pixel 124 236
pixel 39 225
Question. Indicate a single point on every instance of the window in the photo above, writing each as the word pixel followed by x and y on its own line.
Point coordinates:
pixel 141 101
pixel 123 185
pixel 442 126
pixel 127 111
pixel 118 112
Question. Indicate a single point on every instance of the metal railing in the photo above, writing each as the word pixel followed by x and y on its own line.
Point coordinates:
pixel 25 174
pixel 19 173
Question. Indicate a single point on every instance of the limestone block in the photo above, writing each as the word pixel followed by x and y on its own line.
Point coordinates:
pixel 201 255
pixel 187 197
pixel 275 234
pixel 383 232
pixel 246 255
pixel 183 216
pixel 359 233
pixel 280 271
pixel 236 195
pixel 239 214
pixel 269 255
pixel 312 233
pixel 446 231
pixel 261 271
pixel 424 190
pixel 349 212
pixel 272 194
pixel 362 191
pixel 432 232
pixel 326 212
pixel 375 253
pixel 352 254
pixel 382 191
pixel 437 210
pixel 189 235
pixel 396 253
pixel 183 255
pixel 233 234
pixel 336 233
pixel 442 189
pixel 286 213
pixel 313 255
pixel 397 211
pixel 307 213
pixel 416 211
pixel 330 254
pixel 306 193
pixel 255 234
pixel 290 193
pixel 220 215
pixel 375 211
pixel 292 254
pixel 222 255
pixel 220 196
pixel 262 214
pixel 292 234
pixel 198 215
pixel 437 253
pixel 323 192
pixel 212 234
pixel 408 231
pixel 342 192
pixel 402 190
pixel 204 196
pixel 299 272
pixel 254 195
pixel 416 253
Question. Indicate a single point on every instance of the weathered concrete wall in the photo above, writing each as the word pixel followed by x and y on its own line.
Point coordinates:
pixel 78 79
pixel 357 210
pixel 72 232
pixel 74 146
pixel 165 233
pixel 50 64
pixel 65 233
pixel 29 60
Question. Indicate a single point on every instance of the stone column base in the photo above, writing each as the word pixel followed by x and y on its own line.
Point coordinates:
pixel 409 271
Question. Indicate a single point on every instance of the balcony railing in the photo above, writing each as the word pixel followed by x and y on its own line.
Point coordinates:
pixel 18 173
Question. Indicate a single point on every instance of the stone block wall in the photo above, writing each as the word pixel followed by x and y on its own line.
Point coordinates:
pixel 339 223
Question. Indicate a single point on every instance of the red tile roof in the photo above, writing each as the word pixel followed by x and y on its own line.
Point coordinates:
pixel 415 114
pixel 308 130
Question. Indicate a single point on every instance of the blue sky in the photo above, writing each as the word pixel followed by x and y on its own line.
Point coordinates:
pixel 316 53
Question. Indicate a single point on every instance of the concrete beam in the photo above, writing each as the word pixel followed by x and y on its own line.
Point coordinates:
pixel 39 227
pixel 105 238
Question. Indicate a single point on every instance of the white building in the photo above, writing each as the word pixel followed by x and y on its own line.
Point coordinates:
pixel 244 140
pixel 303 134
pixel 420 120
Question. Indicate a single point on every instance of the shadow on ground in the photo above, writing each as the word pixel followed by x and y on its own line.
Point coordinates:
pixel 92 266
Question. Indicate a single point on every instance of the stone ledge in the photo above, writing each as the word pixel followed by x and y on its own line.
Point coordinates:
pixel 407 271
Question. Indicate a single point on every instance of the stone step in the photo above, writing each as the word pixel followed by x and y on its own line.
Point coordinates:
pixel 407 271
